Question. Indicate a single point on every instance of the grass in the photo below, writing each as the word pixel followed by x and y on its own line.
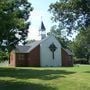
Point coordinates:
pixel 29 78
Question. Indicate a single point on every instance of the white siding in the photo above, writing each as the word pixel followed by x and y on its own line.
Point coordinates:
pixel 46 57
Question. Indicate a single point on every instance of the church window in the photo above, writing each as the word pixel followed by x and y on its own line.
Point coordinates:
pixel 52 48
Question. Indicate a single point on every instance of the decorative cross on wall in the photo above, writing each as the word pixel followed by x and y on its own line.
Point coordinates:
pixel 53 48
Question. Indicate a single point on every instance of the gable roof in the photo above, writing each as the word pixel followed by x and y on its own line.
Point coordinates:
pixel 29 47
pixel 22 49
pixel 68 51
pixel 33 45
pixel 26 48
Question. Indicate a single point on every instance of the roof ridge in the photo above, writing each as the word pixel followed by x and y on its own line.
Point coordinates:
pixel 31 46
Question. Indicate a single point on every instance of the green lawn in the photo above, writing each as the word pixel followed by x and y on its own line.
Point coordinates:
pixel 68 78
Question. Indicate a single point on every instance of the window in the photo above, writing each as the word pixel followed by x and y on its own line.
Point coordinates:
pixel 52 48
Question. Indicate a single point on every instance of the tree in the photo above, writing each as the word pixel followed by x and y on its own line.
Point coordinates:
pixel 57 33
pixel 13 22
pixel 71 14
pixel 4 56
pixel 80 44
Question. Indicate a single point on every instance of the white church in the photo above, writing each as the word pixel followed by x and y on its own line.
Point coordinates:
pixel 47 52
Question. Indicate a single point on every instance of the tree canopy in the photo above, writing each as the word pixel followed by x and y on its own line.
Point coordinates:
pixel 80 44
pixel 13 22
pixel 57 33
pixel 71 14
pixel 74 15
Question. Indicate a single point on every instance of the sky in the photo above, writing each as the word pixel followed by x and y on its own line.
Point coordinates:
pixel 40 10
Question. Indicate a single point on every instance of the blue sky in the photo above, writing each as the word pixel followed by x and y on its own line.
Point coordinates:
pixel 40 10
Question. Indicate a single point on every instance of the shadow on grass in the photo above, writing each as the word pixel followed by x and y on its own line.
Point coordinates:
pixel 87 71
pixel 27 74
pixel 5 85
pixel 33 73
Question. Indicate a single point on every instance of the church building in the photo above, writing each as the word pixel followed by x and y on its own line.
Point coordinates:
pixel 47 52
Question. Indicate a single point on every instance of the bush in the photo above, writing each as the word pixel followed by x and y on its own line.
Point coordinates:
pixel 3 56
pixel 80 61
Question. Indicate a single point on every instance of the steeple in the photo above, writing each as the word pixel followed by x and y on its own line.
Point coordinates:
pixel 42 26
pixel 42 30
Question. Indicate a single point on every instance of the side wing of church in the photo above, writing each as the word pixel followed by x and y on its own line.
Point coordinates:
pixel 45 53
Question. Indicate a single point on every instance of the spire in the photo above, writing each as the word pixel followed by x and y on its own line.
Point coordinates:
pixel 42 26
pixel 42 30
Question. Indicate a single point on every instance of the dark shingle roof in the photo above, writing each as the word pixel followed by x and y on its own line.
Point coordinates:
pixel 30 46
pixel 22 49
pixel 68 52
pixel 26 48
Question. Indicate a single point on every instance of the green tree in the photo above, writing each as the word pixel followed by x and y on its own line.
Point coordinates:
pixel 4 56
pixel 13 22
pixel 80 44
pixel 71 14
pixel 57 33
